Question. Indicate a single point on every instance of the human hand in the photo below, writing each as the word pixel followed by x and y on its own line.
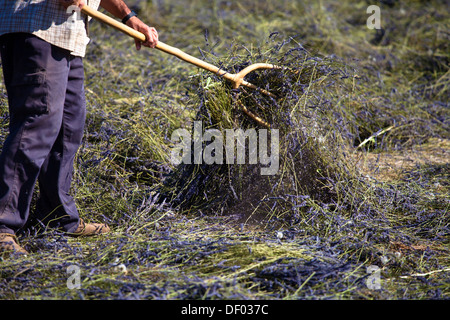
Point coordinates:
pixel 68 3
pixel 151 35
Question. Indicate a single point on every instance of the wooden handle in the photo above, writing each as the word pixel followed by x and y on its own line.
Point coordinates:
pixel 113 23
pixel 161 46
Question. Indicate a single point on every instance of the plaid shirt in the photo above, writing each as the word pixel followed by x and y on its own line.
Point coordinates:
pixel 46 19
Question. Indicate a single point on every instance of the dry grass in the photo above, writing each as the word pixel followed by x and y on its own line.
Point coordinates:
pixel 388 205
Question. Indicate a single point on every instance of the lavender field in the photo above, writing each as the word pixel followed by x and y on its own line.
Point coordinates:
pixel 358 208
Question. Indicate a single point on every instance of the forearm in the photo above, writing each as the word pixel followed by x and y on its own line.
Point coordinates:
pixel 117 8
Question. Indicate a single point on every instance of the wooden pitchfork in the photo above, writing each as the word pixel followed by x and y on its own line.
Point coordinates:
pixel 237 79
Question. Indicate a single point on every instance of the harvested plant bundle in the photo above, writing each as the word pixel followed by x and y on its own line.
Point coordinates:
pixel 291 127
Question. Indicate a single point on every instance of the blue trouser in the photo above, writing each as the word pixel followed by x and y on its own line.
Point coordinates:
pixel 47 112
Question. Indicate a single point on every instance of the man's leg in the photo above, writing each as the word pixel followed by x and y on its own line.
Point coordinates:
pixel 55 206
pixel 35 74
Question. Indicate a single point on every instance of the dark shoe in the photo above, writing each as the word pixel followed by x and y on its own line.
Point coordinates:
pixel 89 229
pixel 8 244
